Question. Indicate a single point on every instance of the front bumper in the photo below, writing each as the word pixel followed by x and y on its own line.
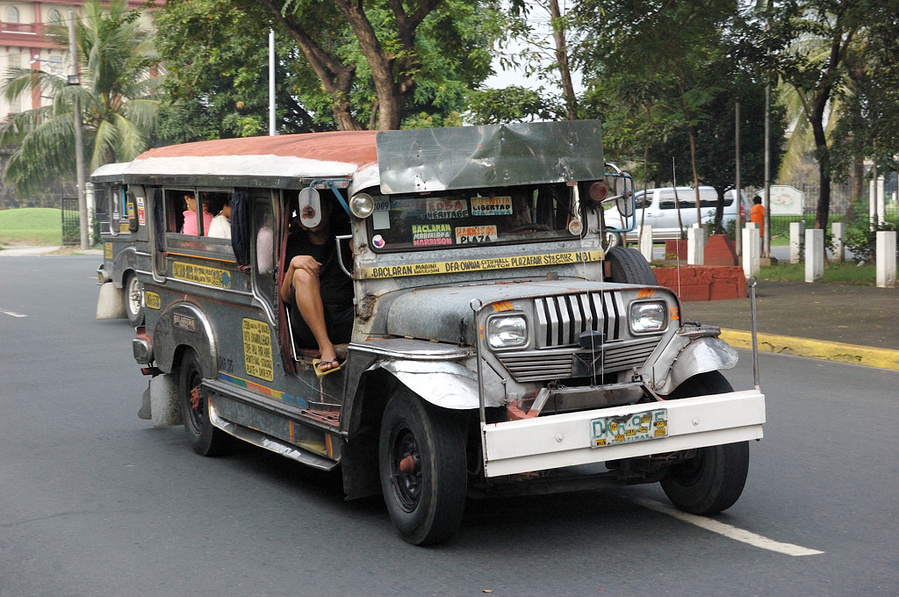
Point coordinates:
pixel 558 441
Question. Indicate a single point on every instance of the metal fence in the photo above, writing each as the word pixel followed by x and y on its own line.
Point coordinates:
pixel 71 222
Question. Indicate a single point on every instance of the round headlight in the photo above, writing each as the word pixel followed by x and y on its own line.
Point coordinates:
pixel 507 332
pixel 361 205
pixel 648 317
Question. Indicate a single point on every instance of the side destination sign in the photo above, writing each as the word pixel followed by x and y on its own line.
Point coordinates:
pixel 474 265
pixel 201 274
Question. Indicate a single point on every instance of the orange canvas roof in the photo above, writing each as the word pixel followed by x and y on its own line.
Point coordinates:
pixel 356 147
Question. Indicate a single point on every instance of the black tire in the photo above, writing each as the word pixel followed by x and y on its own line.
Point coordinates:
pixel 628 266
pixel 421 456
pixel 204 437
pixel 713 480
pixel 134 300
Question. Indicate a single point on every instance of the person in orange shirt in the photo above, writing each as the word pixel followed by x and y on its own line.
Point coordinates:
pixel 757 214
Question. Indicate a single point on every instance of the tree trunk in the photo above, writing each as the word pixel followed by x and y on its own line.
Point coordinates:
pixel 823 154
pixel 562 60
pixel 336 78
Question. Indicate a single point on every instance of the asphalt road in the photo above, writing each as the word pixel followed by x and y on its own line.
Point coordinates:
pixel 94 501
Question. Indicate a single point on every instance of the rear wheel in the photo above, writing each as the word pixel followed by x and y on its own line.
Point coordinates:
pixel 628 266
pixel 204 437
pixel 422 465
pixel 134 300
pixel 713 480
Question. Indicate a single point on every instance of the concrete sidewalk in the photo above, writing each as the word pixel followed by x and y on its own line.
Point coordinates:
pixel 851 324
pixel 17 251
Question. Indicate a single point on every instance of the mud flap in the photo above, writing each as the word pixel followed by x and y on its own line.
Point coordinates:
pixel 111 303
pixel 163 398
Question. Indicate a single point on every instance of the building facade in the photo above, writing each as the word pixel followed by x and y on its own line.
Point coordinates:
pixel 24 44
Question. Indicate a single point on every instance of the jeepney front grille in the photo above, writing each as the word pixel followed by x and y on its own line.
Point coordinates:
pixel 557 363
pixel 560 319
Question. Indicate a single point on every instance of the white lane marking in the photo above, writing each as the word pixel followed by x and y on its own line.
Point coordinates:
pixel 12 313
pixel 729 531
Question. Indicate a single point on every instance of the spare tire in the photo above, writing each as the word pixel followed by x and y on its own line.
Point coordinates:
pixel 628 266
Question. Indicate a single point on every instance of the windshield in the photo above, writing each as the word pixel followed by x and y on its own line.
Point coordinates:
pixel 472 217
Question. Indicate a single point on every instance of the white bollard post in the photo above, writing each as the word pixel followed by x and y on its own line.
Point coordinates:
pixel 814 255
pixel 751 250
pixel 795 241
pixel 696 245
pixel 839 233
pixel 645 237
pixel 886 259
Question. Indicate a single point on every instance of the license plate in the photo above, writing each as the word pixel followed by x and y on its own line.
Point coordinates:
pixel 626 429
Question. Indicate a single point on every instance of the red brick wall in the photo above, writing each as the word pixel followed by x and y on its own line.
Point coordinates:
pixel 703 282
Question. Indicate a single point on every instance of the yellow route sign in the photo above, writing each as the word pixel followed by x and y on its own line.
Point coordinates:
pixel 472 265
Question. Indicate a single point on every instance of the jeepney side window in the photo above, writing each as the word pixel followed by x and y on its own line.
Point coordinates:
pixel 175 205
pixel 264 254
pixel 101 206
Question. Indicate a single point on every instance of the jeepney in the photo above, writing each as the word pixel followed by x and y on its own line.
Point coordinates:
pixel 125 236
pixel 497 349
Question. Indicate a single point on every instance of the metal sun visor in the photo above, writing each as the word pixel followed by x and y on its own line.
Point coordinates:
pixel 426 160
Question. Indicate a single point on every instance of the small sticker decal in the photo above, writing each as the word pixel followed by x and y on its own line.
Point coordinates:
pixel 378 241
pixel 431 234
pixel 475 234
pixel 491 206
pixel 444 209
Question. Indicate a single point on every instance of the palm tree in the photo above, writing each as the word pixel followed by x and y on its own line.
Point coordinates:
pixel 117 98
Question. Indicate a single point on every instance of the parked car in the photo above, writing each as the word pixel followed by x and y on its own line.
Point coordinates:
pixel 658 208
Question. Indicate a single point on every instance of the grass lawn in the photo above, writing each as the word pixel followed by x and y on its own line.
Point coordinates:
pixel 834 273
pixel 31 226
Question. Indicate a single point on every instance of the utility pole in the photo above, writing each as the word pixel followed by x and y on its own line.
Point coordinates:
pixel 75 79
pixel 272 130
pixel 737 192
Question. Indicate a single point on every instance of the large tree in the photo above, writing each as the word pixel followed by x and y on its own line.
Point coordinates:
pixel 807 43
pixel 117 98
pixel 340 64
pixel 716 151
pixel 869 123
pixel 656 54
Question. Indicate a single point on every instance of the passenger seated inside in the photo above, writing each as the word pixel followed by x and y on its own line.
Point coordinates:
pixel 190 216
pixel 315 287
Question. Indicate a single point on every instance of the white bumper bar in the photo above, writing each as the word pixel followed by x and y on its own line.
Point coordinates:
pixel 557 441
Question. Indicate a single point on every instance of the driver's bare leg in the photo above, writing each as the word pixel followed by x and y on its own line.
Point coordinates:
pixel 307 294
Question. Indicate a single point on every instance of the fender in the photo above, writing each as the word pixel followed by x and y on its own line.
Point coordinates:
pixel 447 385
pixel 184 324
pixel 693 350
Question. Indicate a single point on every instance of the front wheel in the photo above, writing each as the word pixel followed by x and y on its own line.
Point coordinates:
pixel 710 482
pixel 134 300
pixel 421 455
pixel 713 480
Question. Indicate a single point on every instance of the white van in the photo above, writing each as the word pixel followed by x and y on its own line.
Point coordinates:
pixel 658 208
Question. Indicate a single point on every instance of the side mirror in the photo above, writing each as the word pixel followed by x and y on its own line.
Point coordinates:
pixel 310 207
pixel 621 191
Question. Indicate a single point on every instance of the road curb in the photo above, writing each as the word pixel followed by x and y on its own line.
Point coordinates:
pixel 882 358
